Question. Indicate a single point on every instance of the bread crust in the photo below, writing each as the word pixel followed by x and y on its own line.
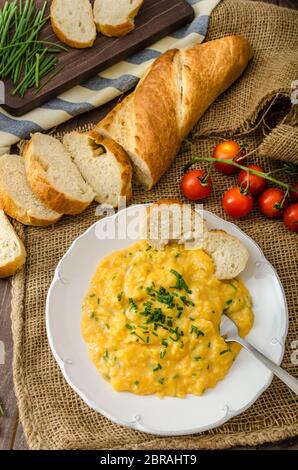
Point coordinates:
pixel 115 31
pixel 13 267
pixel 120 29
pixel 9 269
pixel 63 38
pixel 208 70
pixel 42 188
pixel 174 93
pixel 17 212
pixel 156 122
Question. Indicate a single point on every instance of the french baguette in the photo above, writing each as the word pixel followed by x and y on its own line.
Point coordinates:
pixel 53 176
pixel 72 22
pixel 151 122
pixel 104 165
pixel 17 198
pixel 116 19
pixel 12 250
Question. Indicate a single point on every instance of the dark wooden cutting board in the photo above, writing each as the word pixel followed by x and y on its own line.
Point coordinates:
pixel 156 19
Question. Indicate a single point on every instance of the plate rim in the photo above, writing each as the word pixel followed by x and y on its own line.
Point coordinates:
pixel 135 424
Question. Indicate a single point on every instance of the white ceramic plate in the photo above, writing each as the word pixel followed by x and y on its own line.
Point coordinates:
pixel 245 382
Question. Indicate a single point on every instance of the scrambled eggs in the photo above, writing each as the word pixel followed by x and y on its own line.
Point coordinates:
pixel 151 320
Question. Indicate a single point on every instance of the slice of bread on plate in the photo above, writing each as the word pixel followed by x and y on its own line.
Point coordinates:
pixel 53 176
pixel 12 250
pixel 17 198
pixel 230 256
pixel 116 19
pixel 169 221
pixel 104 165
pixel 73 23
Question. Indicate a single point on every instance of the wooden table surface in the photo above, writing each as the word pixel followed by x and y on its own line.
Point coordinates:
pixel 11 432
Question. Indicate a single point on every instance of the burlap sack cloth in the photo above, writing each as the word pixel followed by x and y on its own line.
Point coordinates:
pixel 53 415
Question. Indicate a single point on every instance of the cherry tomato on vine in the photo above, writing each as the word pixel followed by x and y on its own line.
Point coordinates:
pixel 290 217
pixel 294 194
pixel 253 183
pixel 273 202
pixel 237 203
pixel 228 150
pixel 196 185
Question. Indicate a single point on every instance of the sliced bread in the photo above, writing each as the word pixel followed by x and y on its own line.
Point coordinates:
pixel 53 176
pixel 73 23
pixel 171 221
pixel 16 196
pixel 12 250
pixel 116 18
pixel 230 256
pixel 104 165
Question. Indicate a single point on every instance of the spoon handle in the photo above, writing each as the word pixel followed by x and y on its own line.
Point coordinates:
pixel 284 376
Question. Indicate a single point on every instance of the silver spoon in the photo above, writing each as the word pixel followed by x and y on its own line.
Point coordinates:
pixel 229 331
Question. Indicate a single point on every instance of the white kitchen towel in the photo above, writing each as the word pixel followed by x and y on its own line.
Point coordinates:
pixel 105 86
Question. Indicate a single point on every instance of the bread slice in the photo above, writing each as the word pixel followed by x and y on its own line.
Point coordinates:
pixel 230 256
pixel 115 18
pixel 12 250
pixel 104 165
pixel 53 176
pixel 73 23
pixel 16 196
pixel 171 221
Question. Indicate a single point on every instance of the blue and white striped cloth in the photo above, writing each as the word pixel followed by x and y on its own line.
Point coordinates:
pixel 104 87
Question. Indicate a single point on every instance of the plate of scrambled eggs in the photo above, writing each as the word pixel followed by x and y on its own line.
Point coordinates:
pixel 136 330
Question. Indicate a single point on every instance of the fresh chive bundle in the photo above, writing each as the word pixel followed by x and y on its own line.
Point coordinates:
pixel 23 57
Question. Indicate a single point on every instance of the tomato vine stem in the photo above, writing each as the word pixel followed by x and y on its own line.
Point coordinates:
pixel 266 176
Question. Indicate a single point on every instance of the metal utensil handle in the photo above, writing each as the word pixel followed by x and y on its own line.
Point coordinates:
pixel 284 376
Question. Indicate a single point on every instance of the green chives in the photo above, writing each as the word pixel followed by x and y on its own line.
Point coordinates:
pixel 224 352
pixel 23 57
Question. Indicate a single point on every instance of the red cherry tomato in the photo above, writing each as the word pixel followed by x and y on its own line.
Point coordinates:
pixel 228 150
pixel 272 203
pixel 237 203
pixel 294 194
pixel 253 183
pixel 196 185
pixel 290 217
